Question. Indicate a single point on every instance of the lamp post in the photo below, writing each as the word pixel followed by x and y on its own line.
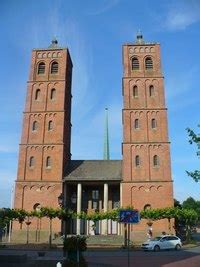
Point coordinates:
pixel 10 223
pixel 60 200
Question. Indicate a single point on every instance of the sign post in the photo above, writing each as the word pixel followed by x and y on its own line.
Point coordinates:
pixel 128 217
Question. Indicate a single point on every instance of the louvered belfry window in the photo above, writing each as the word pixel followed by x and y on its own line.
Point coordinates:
pixel 135 64
pixel 41 68
pixel 148 63
pixel 54 68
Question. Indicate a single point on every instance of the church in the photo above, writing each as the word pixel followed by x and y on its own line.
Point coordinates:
pixel 46 171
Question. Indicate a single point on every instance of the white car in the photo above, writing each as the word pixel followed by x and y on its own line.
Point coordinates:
pixel 162 242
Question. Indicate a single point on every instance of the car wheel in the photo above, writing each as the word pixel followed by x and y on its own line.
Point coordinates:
pixel 177 247
pixel 156 248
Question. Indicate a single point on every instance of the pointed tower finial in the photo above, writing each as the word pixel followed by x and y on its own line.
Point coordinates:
pixel 106 152
pixel 139 37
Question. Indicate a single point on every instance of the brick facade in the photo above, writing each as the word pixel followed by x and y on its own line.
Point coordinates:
pixel 44 151
pixel 46 132
pixel 146 171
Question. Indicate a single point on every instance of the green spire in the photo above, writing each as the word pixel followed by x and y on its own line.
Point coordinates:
pixel 106 153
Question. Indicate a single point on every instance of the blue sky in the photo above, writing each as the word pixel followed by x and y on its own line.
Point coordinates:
pixel 94 32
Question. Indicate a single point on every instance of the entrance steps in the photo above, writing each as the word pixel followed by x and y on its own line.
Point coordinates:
pixel 105 241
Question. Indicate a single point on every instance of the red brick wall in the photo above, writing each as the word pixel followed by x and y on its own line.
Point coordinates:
pixel 146 183
pixel 39 183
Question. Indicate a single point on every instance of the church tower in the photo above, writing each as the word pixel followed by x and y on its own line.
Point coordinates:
pixel 46 133
pixel 146 174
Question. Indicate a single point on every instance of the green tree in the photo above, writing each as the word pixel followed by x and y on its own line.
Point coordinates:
pixel 50 213
pixel 177 204
pixel 194 138
pixel 190 218
pixel 192 204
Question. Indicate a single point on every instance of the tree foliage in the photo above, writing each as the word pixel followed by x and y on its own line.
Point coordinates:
pixel 194 138
pixel 189 214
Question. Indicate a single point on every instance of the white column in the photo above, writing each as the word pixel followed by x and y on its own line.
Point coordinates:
pixel 105 203
pixel 79 196
pixel 121 205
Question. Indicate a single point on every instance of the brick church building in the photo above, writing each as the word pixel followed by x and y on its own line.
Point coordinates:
pixel 46 171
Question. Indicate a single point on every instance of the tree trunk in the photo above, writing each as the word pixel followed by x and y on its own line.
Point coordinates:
pixel 50 233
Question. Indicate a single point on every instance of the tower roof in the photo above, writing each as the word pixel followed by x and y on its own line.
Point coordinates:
pixel 54 43
pixel 53 46
pixel 139 38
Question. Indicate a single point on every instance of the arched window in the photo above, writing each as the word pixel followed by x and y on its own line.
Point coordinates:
pixel 31 162
pixel 155 160
pixel 153 123
pixel 53 94
pixel 136 124
pixel 35 126
pixel 137 161
pixel 48 162
pixel 37 94
pixel 54 67
pixel 41 68
pixel 151 91
pixel 147 207
pixel 135 64
pixel 50 125
pixel 148 63
pixel 135 91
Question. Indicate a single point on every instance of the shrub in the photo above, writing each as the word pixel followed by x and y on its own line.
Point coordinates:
pixel 75 243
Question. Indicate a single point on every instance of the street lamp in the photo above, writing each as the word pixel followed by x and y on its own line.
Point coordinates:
pixel 60 200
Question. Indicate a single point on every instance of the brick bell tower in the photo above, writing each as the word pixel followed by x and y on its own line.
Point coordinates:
pixel 147 179
pixel 46 132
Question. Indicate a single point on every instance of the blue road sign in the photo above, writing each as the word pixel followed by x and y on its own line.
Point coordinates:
pixel 129 216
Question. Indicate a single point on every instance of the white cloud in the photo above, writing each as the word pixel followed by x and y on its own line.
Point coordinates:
pixel 182 14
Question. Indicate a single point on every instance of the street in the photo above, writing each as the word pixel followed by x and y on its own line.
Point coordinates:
pixel 184 258
pixel 113 258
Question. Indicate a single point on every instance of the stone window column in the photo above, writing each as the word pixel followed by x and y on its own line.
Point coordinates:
pixel 105 205
pixel 79 197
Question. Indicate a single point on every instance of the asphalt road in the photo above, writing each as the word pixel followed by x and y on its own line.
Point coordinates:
pixel 184 258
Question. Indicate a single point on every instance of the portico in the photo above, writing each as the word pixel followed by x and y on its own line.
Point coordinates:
pixel 93 186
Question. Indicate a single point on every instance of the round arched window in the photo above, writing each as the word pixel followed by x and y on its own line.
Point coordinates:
pixel 54 67
pixel 41 68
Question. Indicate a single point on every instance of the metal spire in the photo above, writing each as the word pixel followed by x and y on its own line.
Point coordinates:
pixel 106 152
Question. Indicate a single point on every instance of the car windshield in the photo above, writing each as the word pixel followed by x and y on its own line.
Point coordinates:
pixel 156 238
